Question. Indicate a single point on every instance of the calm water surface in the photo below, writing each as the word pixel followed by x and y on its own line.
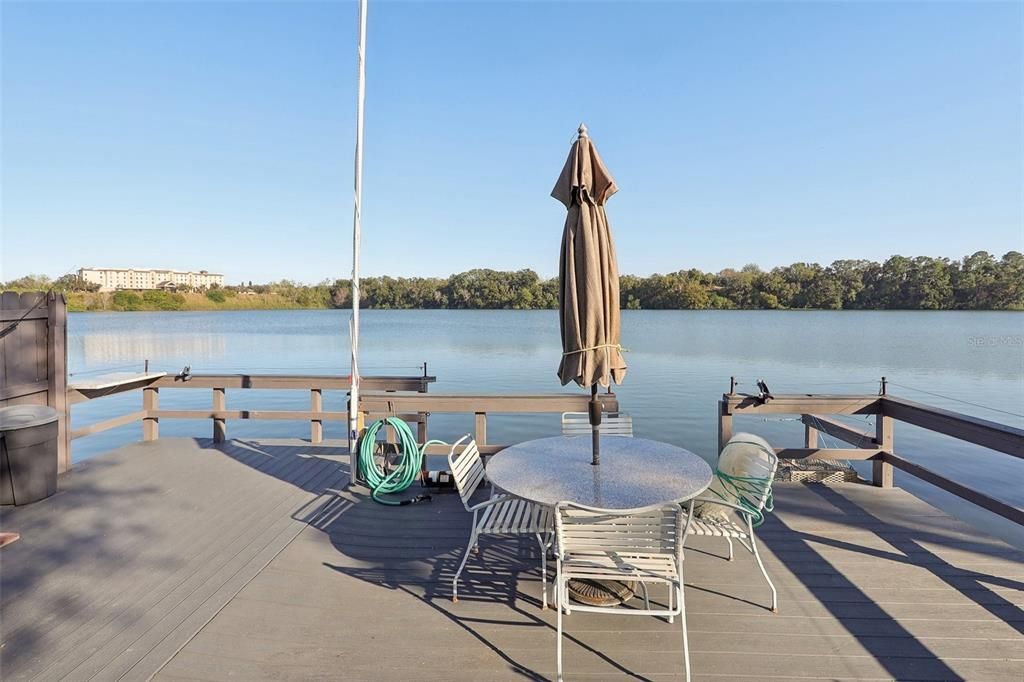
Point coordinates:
pixel 679 365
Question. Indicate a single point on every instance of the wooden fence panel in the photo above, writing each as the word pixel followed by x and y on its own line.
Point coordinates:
pixel 33 358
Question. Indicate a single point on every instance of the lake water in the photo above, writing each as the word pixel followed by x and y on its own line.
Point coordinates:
pixel 679 365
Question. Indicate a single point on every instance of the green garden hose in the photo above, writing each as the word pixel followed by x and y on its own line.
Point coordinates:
pixel 747 488
pixel 383 482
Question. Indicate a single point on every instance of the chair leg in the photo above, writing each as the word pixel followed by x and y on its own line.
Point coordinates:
pixel 686 643
pixel 729 540
pixel 671 591
pixel 465 557
pixel 566 602
pixel 647 597
pixel 558 606
pixel 543 572
pixel 760 564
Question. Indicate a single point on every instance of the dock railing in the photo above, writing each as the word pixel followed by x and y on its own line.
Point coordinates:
pixel 403 396
pixel 407 398
pixel 878 447
pixel 419 406
pixel 151 385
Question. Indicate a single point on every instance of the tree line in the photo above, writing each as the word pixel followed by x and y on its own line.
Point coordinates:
pixel 976 282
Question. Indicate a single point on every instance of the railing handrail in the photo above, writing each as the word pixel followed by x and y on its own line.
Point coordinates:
pixel 324 382
pixel 879 448
pixel 407 397
pixel 402 396
pixel 151 413
pixel 989 434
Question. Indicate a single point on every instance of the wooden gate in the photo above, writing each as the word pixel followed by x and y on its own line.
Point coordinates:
pixel 33 357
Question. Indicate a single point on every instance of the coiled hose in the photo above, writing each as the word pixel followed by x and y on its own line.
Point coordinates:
pixel 383 482
pixel 747 491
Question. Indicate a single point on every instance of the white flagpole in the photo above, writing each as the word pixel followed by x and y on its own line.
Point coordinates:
pixel 357 227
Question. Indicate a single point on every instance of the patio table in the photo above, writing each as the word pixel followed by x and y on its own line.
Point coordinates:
pixel 634 473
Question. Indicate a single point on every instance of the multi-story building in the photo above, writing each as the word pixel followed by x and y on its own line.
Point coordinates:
pixel 112 279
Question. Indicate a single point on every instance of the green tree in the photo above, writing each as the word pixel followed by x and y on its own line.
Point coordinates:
pixel 891 284
pixel 738 286
pixel 126 300
pixel 974 281
pixel 928 285
pixel 801 280
pixel 74 283
pixel 848 276
pixel 162 300
pixel 29 283
pixel 777 289
pixel 1008 287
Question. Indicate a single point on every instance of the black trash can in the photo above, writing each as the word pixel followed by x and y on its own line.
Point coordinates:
pixel 28 453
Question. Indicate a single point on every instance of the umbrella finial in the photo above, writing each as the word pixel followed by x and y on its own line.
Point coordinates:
pixel 583 130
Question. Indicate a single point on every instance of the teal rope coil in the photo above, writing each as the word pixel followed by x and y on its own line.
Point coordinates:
pixel 745 489
pixel 398 480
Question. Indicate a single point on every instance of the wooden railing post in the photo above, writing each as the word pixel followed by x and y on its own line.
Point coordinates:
pixel 316 426
pixel 810 435
pixel 724 425
pixel 881 472
pixel 480 428
pixel 150 403
pixel 421 429
pixel 220 425
pixel 57 376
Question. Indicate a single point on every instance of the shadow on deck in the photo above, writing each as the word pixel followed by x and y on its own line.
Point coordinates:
pixel 245 561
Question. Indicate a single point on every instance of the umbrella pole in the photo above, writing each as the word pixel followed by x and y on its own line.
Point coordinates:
pixel 595 424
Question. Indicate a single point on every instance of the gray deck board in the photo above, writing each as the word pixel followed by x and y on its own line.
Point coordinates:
pixel 138 543
pixel 246 561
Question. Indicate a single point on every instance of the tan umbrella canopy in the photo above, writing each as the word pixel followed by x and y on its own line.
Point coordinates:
pixel 588 295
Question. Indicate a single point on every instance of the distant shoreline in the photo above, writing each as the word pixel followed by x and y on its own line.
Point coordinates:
pixel 976 282
pixel 286 307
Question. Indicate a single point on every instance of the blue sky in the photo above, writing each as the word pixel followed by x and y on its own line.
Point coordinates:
pixel 220 135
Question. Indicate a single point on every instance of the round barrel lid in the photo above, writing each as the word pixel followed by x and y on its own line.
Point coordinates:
pixel 26 416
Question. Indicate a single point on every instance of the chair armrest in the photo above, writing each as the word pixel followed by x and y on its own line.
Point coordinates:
pixel 733 505
pixel 451 452
pixel 487 503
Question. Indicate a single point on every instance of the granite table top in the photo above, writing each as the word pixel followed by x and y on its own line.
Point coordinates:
pixel 634 473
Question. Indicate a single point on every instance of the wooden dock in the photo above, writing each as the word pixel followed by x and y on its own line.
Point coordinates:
pixel 189 560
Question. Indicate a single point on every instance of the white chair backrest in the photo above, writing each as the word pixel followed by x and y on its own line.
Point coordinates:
pixel 584 529
pixel 750 456
pixel 467 468
pixel 578 424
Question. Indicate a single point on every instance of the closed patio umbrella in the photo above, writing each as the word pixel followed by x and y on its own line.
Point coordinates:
pixel 588 294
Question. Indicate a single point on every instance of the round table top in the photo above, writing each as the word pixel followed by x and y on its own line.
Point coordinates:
pixel 634 473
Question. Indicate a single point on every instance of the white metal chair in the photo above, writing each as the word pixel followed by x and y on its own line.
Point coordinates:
pixel 501 514
pixel 578 424
pixel 755 497
pixel 644 546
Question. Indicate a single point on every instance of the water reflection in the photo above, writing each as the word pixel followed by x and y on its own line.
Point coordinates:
pixel 98 350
